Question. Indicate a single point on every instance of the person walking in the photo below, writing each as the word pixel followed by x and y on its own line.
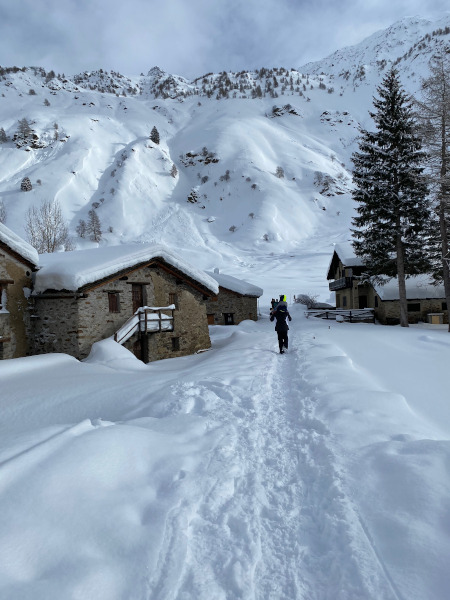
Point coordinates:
pixel 281 313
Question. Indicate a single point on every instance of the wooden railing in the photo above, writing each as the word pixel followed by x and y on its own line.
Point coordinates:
pixel 352 316
pixel 148 319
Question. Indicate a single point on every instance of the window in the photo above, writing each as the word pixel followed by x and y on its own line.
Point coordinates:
pixel 175 344
pixel 228 318
pixel 1 297
pixel 173 299
pixel 113 300
pixel 414 307
pixel 344 300
pixel 376 301
pixel 444 306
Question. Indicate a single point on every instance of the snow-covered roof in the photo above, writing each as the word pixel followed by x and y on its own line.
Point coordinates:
pixel 347 255
pixel 74 270
pixel 18 245
pixel 418 287
pixel 236 285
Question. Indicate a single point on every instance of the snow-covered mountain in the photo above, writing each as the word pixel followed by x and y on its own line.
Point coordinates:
pixel 262 157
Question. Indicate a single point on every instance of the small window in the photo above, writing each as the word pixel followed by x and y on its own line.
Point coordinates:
pixel 228 318
pixel 444 306
pixel 414 307
pixel 1 297
pixel 173 299
pixel 344 300
pixel 113 300
pixel 175 344
pixel 376 301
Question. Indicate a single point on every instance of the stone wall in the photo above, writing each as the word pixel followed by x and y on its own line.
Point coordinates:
pixel 242 307
pixel 14 324
pixel 388 311
pixel 190 332
pixel 54 326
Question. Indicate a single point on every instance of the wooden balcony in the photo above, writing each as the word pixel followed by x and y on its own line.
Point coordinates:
pixel 340 284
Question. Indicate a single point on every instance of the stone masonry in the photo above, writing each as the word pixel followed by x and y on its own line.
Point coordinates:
pixel 72 322
pixel 240 306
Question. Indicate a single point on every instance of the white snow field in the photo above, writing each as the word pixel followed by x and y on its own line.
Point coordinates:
pixel 236 473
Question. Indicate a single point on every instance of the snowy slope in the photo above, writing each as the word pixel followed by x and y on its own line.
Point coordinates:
pixel 238 473
pixel 226 205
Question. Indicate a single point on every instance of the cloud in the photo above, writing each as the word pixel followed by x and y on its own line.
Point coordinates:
pixel 188 37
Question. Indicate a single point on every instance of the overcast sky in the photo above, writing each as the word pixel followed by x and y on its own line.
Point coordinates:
pixel 190 37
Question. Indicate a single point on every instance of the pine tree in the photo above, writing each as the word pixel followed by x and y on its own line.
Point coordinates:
pixel 93 226
pixel 3 136
pixel 434 113
pixel 154 136
pixel 174 171
pixel 24 130
pixel 390 229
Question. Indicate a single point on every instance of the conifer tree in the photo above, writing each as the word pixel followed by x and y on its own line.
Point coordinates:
pixel 154 135
pixel 434 113
pixel 390 229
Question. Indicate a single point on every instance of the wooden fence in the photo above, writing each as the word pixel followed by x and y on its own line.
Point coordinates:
pixel 357 315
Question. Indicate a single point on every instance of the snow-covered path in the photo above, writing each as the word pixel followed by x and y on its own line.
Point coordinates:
pixel 235 474
pixel 275 513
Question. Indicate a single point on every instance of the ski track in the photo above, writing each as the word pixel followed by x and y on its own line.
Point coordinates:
pixel 281 525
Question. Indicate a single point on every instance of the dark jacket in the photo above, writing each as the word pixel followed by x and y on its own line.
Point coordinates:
pixel 281 314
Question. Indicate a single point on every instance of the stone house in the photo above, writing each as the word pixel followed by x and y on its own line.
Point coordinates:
pixel 237 300
pixel 145 296
pixel 426 302
pixel 18 261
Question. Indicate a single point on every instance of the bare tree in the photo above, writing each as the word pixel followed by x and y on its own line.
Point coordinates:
pixel 2 212
pixel 435 119
pixel 46 228
pixel 309 300
pixel 174 171
pixel 81 228
pixel 279 172
pixel 93 226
